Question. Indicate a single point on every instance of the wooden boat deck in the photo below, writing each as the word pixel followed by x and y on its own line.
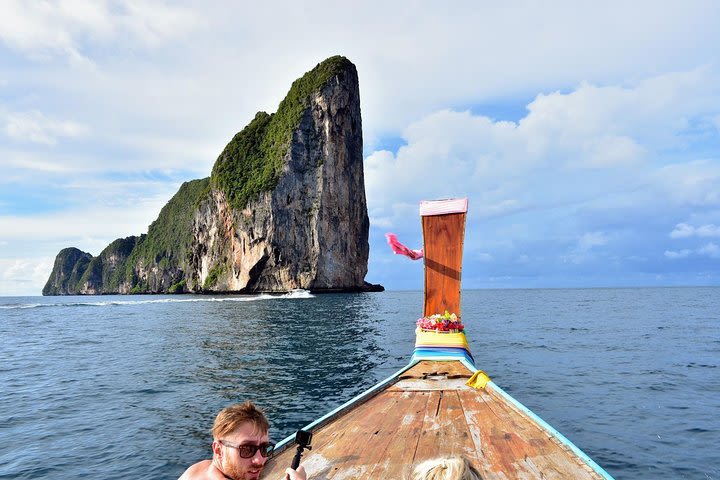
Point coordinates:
pixel 429 412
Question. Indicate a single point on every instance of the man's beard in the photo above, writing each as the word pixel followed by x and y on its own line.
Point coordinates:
pixel 235 472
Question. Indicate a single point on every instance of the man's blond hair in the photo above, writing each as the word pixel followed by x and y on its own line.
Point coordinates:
pixel 451 468
pixel 231 418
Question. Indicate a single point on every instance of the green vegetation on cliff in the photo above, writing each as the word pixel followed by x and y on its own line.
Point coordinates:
pixel 243 170
pixel 179 287
pixel 252 162
pixel 115 258
pixel 214 275
pixel 70 265
pixel 93 273
pixel 169 237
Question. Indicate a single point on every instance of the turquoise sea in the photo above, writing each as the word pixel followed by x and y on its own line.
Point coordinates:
pixel 126 387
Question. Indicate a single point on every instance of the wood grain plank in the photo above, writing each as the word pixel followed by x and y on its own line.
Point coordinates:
pixel 339 442
pixel 443 237
pixel 426 367
pixel 445 430
pixel 513 446
pixel 397 458
pixel 363 440
pixel 365 431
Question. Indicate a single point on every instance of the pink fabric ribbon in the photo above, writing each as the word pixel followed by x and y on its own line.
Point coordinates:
pixel 401 249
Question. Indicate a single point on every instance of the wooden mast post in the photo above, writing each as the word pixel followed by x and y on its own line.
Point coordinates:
pixel 443 224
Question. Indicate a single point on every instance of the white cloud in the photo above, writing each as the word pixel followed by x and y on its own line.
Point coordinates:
pixel 581 146
pixel 590 240
pixel 38 128
pixel 28 26
pixel 580 129
pixel 484 257
pixel 23 270
pixel 25 162
pixel 581 253
pixel 694 183
pixel 62 28
pixel 683 230
pixel 154 23
pixel 88 228
pixel 711 250
pixel 708 231
pixel 24 276
pixel 487 50
pixel 679 254
pixel 148 151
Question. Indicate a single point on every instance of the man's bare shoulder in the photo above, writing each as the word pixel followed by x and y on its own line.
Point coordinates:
pixel 202 471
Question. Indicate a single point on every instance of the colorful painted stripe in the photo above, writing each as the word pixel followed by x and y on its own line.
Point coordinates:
pixel 431 345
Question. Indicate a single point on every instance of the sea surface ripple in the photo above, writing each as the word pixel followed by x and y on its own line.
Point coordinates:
pixel 128 386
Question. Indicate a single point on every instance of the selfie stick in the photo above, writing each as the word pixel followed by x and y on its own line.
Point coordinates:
pixel 303 439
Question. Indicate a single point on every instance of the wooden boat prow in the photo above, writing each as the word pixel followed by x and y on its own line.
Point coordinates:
pixel 440 404
pixel 443 224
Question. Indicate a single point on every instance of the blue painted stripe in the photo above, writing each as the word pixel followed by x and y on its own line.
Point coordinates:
pixel 442 357
pixel 444 350
pixel 443 353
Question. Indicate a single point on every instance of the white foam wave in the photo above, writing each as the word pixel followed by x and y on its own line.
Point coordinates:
pixel 20 306
pixel 293 294
pixel 249 298
pixel 299 293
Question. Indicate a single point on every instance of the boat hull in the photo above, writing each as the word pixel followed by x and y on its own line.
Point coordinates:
pixel 425 411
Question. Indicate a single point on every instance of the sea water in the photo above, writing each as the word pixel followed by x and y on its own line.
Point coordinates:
pixel 126 387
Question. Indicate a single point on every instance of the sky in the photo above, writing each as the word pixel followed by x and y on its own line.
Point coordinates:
pixel 585 135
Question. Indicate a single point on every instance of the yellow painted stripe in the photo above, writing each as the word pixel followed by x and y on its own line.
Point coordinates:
pixel 441 339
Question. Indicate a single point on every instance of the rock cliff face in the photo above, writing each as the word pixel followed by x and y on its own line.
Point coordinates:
pixel 70 265
pixel 284 209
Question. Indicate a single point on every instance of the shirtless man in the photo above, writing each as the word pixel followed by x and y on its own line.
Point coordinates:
pixel 240 447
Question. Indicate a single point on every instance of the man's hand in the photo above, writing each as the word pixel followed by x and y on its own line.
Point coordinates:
pixel 298 474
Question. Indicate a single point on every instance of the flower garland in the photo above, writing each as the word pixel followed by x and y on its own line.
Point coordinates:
pixel 446 322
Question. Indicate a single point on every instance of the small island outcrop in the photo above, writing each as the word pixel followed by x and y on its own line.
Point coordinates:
pixel 283 209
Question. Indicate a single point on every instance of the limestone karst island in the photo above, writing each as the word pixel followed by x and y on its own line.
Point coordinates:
pixel 284 208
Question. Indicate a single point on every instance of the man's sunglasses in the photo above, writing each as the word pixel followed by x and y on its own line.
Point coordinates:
pixel 248 451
